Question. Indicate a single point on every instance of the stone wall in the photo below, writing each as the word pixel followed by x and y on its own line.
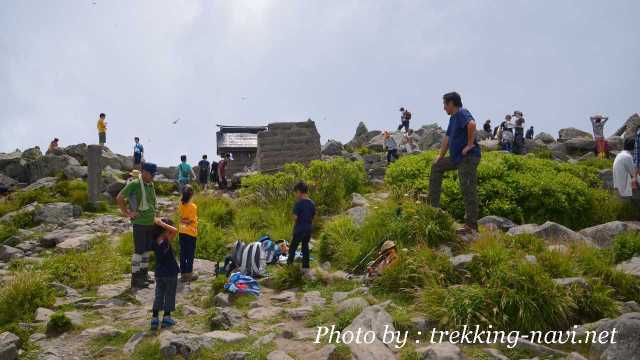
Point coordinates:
pixel 287 142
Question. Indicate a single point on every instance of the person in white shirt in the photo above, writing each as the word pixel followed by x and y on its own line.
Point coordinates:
pixel 624 170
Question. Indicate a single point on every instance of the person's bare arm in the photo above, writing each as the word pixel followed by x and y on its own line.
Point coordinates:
pixel 471 136
pixel 172 231
pixel 443 148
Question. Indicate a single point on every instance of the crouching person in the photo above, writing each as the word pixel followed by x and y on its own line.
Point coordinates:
pixel 388 256
pixel 166 273
pixel 141 210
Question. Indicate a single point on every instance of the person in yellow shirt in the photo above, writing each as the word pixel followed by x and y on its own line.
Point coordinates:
pixel 102 129
pixel 188 230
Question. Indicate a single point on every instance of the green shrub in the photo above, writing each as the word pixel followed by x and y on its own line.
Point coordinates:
pixel 288 277
pixel 331 183
pixel 525 189
pixel 626 246
pixel 165 188
pixel 557 264
pixel 593 303
pixel 211 244
pixel 415 269
pixel 7 231
pixel 339 243
pixel 22 295
pixel 58 323
pixel 214 210
pixel 598 263
pixel 81 270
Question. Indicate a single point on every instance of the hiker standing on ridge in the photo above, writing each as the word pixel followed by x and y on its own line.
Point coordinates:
pixel 142 215
pixel 404 119
pixel 53 146
pixel 518 137
pixel 529 134
pixel 102 129
pixel 185 173
pixel 204 167
pixel 138 153
pixel 487 127
pixel 222 171
pixel 598 121
pixel 464 155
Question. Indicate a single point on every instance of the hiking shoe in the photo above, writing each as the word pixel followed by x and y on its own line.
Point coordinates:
pixel 137 281
pixel 167 322
pixel 155 322
pixel 146 279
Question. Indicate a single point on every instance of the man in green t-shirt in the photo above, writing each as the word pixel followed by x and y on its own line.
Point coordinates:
pixel 142 215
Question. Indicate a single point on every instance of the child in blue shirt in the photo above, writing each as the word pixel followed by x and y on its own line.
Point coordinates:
pixel 304 211
pixel 166 273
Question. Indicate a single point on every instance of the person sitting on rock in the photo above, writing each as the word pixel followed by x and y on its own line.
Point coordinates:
pixel 624 171
pixel 387 256
pixel 53 147
pixel 166 273
pixel 391 146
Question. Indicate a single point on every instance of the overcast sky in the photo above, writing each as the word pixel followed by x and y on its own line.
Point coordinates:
pixel 148 63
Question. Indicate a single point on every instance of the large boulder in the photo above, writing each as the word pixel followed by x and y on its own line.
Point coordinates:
pixel 8 253
pixel 48 166
pixel 75 171
pixel 603 234
pixel 56 213
pixel 7 182
pixel 31 154
pixel 497 222
pixel 78 151
pixel 362 136
pixel 580 145
pixel 373 318
pixel 550 231
pixel 544 138
pixel 9 344
pixel 430 136
pixel 559 151
pixel 606 175
pixel 615 143
pixel 332 148
pixel 573 133
pixel 12 165
pixel 375 165
pixel 631 266
pixel 626 344
pixel 629 127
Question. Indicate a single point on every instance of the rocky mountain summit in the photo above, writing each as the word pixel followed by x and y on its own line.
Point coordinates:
pixel 64 267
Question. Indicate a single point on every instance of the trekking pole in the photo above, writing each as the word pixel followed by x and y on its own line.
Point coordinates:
pixel 366 257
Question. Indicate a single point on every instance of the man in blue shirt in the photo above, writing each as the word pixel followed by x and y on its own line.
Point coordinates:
pixel 464 155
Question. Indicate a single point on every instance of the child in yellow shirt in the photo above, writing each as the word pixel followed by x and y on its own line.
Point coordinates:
pixel 102 129
pixel 188 230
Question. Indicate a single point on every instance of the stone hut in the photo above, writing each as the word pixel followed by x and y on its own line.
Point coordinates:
pixel 287 142
pixel 241 142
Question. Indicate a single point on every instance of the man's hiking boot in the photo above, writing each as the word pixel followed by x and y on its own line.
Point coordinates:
pixel 137 281
pixel 167 322
pixel 188 277
pixel 145 277
pixel 155 323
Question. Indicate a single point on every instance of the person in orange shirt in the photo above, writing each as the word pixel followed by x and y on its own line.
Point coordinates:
pixel 102 129
pixel 188 230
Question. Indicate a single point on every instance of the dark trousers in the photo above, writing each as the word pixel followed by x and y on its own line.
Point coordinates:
pixel 165 298
pixel 142 238
pixel 392 155
pixel 187 253
pixel 404 124
pixel 302 238
pixel 468 176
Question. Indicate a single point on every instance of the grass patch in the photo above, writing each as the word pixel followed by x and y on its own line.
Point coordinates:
pixel 22 295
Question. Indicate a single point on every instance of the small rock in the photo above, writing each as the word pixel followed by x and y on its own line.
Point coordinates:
pixel 631 266
pixel 225 336
pixel 498 222
pixel 358 214
pixel 8 253
pixel 264 340
pixel 313 298
pixel 263 313
pixel 339 296
pixel 567 282
pixel 575 356
pixel 226 318
pixel 43 314
pixel 352 304
pixel 358 200
pixel 101 331
pixel 113 290
pixel 552 232
pixel 630 306
pixel 604 234
pixel 442 351
pixel 221 300
pixel 278 355
pixel 284 297
pixel 459 262
pixel 132 343
pixel 300 312
pixel 236 355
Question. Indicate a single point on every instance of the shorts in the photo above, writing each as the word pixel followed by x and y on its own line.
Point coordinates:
pixel 102 138
pixel 142 238
pixel 203 179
